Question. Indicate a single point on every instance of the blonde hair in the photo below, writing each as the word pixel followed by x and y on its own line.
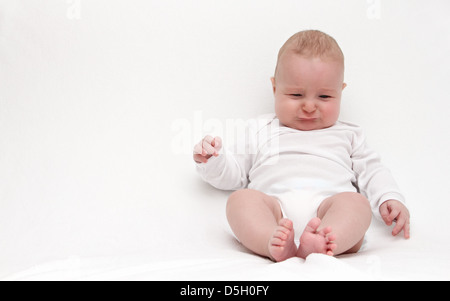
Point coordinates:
pixel 312 43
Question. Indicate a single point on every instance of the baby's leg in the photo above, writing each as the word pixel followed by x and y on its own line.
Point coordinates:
pixel 349 215
pixel 257 221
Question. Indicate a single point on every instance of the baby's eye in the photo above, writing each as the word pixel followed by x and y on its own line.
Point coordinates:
pixel 325 96
pixel 296 95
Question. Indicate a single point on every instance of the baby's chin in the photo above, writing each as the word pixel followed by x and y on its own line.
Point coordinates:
pixel 306 125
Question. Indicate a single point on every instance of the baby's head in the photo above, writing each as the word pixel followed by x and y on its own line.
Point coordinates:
pixel 308 81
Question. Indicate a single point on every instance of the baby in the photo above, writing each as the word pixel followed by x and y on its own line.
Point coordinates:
pixel 319 184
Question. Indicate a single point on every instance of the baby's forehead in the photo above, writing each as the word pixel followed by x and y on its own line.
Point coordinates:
pixel 294 63
pixel 330 57
pixel 294 69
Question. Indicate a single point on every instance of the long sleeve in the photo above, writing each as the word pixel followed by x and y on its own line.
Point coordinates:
pixel 230 170
pixel 227 171
pixel 373 179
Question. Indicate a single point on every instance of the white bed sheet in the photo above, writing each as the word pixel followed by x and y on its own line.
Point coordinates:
pixel 192 241
pixel 96 179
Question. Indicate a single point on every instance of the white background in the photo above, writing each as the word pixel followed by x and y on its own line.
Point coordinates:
pixel 92 91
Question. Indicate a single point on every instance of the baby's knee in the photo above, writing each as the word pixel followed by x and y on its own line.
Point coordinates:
pixel 245 194
pixel 249 198
pixel 356 199
pixel 351 200
pixel 237 195
pixel 360 204
pixel 236 198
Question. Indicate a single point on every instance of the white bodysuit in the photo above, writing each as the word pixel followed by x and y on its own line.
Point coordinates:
pixel 302 168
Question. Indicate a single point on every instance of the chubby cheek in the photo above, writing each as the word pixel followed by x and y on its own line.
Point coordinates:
pixel 330 113
pixel 284 109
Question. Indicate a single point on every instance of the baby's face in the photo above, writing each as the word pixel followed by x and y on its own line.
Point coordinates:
pixel 308 92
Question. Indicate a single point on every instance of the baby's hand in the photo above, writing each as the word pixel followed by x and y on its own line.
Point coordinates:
pixel 394 211
pixel 207 148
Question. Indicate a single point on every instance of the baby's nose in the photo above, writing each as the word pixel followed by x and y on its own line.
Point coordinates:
pixel 309 106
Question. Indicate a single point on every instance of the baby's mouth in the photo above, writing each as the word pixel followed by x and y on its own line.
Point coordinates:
pixel 308 119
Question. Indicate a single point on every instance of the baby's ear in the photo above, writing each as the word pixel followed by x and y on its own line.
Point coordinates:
pixel 343 86
pixel 272 79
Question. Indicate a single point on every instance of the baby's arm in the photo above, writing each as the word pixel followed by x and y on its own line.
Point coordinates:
pixel 207 148
pixel 227 171
pixel 395 211
pixel 228 168
pixel 376 182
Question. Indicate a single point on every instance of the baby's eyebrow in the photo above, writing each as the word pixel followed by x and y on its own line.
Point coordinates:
pixel 293 88
pixel 327 90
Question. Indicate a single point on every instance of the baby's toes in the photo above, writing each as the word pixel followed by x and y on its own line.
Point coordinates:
pixel 286 223
pixel 325 231
pixel 331 237
pixel 280 234
pixel 275 241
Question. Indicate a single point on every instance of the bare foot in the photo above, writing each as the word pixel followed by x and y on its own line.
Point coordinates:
pixel 282 245
pixel 313 241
